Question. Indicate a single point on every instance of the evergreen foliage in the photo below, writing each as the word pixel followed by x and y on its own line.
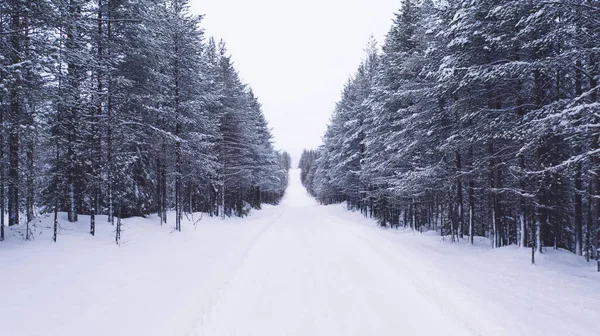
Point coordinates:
pixel 123 108
pixel 477 118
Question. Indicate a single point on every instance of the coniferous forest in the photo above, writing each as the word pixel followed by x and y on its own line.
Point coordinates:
pixel 455 190
pixel 124 108
pixel 476 118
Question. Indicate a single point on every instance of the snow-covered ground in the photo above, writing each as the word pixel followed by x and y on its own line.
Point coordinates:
pixel 156 283
pixel 296 269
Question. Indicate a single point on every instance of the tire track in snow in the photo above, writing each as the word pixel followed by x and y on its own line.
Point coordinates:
pixel 385 249
pixel 227 275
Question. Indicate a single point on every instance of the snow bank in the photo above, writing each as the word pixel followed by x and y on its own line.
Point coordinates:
pixel 158 282
pixel 559 295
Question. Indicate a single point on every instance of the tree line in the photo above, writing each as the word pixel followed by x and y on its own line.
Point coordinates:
pixel 476 118
pixel 123 108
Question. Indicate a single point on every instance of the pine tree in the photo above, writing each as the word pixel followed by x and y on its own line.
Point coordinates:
pixel 477 105
pixel 95 96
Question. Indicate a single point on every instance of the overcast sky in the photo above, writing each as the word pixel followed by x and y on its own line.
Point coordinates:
pixel 296 55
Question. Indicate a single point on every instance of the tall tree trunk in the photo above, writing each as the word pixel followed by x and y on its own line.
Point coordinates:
pixel 501 228
pixel 57 194
pixel 471 198
pixel 578 209
pixel 538 216
pixel 538 229
pixel 595 139
pixel 55 226
pixel 190 198
pixel 73 108
pixel 222 207
pixel 29 183
pixel 159 188
pixel 164 183
pixel 589 223
pixel 178 204
pixel 15 119
pixel 522 208
pixel 578 174
pixel 95 116
pixel 452 219
pixel 109 115
pixel 119 227
pixel 29 136
pixel 72 209
pixel 13 169
pixel 493 202
pixel 459 195
pixel 30 178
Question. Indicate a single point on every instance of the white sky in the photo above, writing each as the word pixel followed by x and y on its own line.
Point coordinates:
pixel 296 55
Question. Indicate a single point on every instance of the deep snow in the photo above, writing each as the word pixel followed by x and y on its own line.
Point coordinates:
pixel 296 269
pixel 156 283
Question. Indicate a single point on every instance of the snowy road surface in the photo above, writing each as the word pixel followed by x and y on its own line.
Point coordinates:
pixel 295 269
pixel 312 274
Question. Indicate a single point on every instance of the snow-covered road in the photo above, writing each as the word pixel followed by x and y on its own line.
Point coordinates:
pixel 295 269
pixel 313 274
pixel 319 270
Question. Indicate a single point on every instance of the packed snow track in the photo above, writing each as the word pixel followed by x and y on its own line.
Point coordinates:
pixel 312 274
